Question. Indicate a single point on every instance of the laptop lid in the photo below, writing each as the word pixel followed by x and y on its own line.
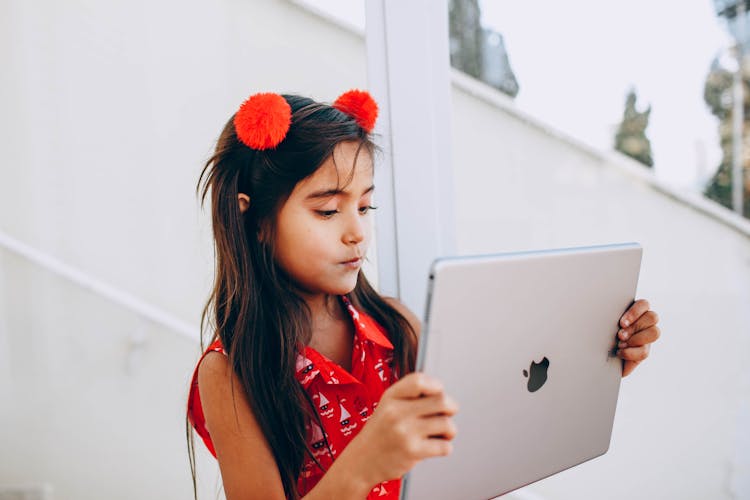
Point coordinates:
pixel 525 343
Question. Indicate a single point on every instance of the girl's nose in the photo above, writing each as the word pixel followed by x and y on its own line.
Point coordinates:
pixel 355 229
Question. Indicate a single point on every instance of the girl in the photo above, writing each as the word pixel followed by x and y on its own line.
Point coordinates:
pixel 304 351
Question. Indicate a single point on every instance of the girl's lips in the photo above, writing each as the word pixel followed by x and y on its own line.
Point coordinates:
pixel 353 264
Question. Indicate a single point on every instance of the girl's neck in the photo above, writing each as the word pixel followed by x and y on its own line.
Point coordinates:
pixel 324 310
pixel 332 330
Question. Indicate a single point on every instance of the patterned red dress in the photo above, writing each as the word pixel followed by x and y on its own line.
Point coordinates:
pixel 345 400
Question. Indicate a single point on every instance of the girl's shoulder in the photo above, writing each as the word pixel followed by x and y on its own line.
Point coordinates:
pixel 212 369
pixel 214 359
pixel 214 366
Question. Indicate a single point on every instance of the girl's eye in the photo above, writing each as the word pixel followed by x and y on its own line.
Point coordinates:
pixel 366 209
pixel 327 213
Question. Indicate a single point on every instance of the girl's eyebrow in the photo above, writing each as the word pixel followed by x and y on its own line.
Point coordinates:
pixel 328 193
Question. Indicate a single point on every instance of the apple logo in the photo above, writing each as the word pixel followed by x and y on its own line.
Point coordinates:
pixel 538 375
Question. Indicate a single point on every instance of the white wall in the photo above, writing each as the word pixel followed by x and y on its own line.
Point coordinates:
pixel 84 410
pixel 109 110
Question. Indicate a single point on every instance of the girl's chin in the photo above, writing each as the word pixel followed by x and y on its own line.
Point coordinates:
pixel 344 289
pixel 341 287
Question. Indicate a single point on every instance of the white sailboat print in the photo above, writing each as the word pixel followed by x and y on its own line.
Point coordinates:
pixel 317 437
pixel 323 406
pixel 346 429
pixel 306 367
pixel 345 415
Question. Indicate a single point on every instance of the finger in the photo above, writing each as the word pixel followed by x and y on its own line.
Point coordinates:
pixel 434 405
pixel 628 367
pixel 414 385
pixel 634 353
pixel 646 320
pixel 634 312
pixel 439 426
pixel 647 336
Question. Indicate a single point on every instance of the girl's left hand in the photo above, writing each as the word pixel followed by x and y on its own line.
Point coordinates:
pixel 637 331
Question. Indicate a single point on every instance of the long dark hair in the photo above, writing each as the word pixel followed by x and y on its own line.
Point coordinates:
pixel 253 307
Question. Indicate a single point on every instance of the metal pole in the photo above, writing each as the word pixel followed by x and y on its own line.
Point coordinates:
pixel 738 116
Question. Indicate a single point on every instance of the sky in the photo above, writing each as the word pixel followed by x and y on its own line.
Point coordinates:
pixel 576 60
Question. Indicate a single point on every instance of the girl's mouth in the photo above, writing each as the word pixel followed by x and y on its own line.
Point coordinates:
pixel 353 264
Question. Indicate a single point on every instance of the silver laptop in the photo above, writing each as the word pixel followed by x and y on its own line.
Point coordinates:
pixel 525 343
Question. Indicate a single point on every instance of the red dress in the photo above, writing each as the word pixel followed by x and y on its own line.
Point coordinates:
pixel 344 400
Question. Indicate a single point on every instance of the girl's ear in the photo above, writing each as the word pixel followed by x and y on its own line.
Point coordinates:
pixel 244 202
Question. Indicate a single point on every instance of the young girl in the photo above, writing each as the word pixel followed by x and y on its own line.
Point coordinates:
pixel 307 388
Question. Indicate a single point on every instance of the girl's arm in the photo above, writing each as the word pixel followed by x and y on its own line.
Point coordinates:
pixel 248 468
pixel 411 423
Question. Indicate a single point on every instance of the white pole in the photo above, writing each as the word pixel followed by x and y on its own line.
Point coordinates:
pixel 409 75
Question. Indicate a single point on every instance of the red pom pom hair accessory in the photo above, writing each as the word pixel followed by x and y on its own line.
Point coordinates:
pixel 360 105
pixel 263 120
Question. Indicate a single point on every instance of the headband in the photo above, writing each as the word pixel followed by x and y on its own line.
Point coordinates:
pixel 263 120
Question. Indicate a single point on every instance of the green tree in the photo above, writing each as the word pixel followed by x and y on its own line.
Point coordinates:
pixel 477 51
pixel 631 134
pixel 717 93
pixel 466 36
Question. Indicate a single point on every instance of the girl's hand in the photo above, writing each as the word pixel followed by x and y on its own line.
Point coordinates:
pixel 412 422
pixel 638 330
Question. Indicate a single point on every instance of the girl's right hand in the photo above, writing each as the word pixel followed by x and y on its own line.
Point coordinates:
pixel 411 422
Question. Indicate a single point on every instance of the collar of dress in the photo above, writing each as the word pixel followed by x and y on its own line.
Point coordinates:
pixel 310 363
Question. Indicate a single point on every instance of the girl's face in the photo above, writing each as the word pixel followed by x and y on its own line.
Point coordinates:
pixel 323 229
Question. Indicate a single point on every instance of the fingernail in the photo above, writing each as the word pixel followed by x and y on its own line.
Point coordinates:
pixel 622 344
pixel 625 322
